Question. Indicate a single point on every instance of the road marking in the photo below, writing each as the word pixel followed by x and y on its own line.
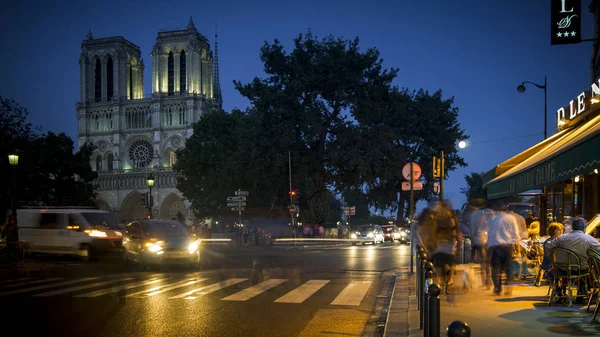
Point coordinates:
pixel 17 280
pixel 163 288
pixel 336 322
pixel 119 288
pixel 258 289
pixel 87 286
pixel 33 282
pixel 26 290
pixel 209 289
pixel 353 294
pixel 303 292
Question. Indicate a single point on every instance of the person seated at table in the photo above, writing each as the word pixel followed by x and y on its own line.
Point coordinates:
pixel 555 229
pixel 578 242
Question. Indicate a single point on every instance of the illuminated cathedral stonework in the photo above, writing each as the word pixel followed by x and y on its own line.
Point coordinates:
pixel 135 134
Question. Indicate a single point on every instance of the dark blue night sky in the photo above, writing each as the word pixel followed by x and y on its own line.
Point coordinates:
pixel 476 51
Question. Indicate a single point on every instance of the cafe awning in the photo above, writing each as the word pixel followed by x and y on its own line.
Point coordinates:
pixel 562 156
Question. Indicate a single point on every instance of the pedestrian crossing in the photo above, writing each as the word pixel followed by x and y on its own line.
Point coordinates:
pixel 191 287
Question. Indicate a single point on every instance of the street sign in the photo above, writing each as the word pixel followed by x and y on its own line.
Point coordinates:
pixel 350 210
pixel 238 198
pixel 292 209
pixel 237 208
pixel 236 204
pixel 242 193
pixel 417 185
pixel 416 171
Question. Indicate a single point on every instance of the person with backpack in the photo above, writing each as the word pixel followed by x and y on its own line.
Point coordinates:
pixel 447 235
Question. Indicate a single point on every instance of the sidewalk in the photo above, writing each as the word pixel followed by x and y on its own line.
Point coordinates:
pixel 525 313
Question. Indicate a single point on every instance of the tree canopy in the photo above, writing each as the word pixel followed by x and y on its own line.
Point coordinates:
pixel 48 172
pixel 333 109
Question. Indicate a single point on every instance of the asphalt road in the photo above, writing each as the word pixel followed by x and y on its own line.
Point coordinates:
pixel 256 291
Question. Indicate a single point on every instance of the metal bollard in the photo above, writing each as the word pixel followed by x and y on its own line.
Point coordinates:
pixel 422 289
pixel 428 282
pixel 458 329
pixel 418 278
pixel 434 310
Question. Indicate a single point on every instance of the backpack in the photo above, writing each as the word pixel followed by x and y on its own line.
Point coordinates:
pixel 445 225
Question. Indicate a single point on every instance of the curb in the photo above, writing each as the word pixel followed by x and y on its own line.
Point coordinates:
pixel 387 318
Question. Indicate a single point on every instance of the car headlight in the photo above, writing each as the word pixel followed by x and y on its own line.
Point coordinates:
pixel 95 233
pixel 352 236
pixel 370 235
pixel 153 247
pixel 403 233
pixel 193 247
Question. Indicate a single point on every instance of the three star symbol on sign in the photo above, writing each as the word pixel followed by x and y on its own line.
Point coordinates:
pixel 565 34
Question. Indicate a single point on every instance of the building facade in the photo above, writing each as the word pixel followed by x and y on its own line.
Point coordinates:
pixel 137 134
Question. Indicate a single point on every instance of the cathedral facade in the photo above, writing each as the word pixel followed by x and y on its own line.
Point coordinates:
pixel 136 135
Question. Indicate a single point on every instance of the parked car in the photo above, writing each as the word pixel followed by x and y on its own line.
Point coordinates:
pixel 160 242
pixel 367 233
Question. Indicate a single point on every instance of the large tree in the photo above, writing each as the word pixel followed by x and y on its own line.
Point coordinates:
pixel 330 107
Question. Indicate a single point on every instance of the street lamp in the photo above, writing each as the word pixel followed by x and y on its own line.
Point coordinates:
pixel 13 160
pixel 150 183
pixel 521 89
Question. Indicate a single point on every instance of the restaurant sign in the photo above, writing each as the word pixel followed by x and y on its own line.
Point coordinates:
pixel 579 105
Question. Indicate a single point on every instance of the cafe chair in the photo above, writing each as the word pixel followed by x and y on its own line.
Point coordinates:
pixel 567 269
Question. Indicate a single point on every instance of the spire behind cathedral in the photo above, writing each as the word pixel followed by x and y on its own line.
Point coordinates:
pixel 216 83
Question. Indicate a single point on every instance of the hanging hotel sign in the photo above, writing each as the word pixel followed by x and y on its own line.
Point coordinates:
pixel 579 105
pixel 566 21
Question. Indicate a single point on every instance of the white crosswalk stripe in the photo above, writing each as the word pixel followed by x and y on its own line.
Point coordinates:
pixel 193 294
pixel 17 280
pixel 163 288
pixel 77 288
pixel 119 288
pixel 47 286
pixel 303 292
pixel 353 294
pixel 256 290
pixel 152 285
pixel 28 283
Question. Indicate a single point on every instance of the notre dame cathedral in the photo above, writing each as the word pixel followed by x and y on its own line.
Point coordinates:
pixel 136 135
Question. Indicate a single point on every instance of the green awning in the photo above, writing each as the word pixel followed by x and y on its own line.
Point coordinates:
pixel 576 152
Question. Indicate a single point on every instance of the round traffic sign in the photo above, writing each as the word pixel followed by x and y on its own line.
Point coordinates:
pixel 292 209
pixel 416 171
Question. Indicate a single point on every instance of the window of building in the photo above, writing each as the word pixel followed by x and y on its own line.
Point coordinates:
pixel 130 82
pixel 109 162
pixel 171 74
pixel 182 72
pixel 98 81
pixel 109 78
pixel 98 163
pixel 110 121
pixel 171 158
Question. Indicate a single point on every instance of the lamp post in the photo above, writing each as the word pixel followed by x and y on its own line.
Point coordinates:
pixel 13 160
pixel 150 183
pixel 521 88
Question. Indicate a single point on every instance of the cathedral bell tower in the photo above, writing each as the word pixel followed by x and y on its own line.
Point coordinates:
pixel 182 63
pixel 111 68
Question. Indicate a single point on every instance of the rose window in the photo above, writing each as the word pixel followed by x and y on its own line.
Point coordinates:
pixel 140 153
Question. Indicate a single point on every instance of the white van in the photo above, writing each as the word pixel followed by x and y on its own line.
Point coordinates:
pixel 68 231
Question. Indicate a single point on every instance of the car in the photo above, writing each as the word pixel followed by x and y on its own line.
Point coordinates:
pixel 160 242
pixel 392 233
pixel 367 233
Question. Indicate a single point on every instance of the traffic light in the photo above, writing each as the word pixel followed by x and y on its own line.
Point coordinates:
pixel 437 167
pixel 144 199
pixel 292 193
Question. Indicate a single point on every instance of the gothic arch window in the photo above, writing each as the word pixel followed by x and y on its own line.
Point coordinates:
pixel 109 78
pixel 97 123
pixel 110 121
pixel 171 158
pixel 130 82
pixel 182 72
pixel 109 162
pixel 98 81
pixel 171 74
pixel 98 163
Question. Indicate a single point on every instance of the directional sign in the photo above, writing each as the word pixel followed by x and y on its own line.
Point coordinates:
pixel 238 198
pixel 243 193
pixel 237 208
pixel 292 209
pixel 236 204
pixel 417 185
